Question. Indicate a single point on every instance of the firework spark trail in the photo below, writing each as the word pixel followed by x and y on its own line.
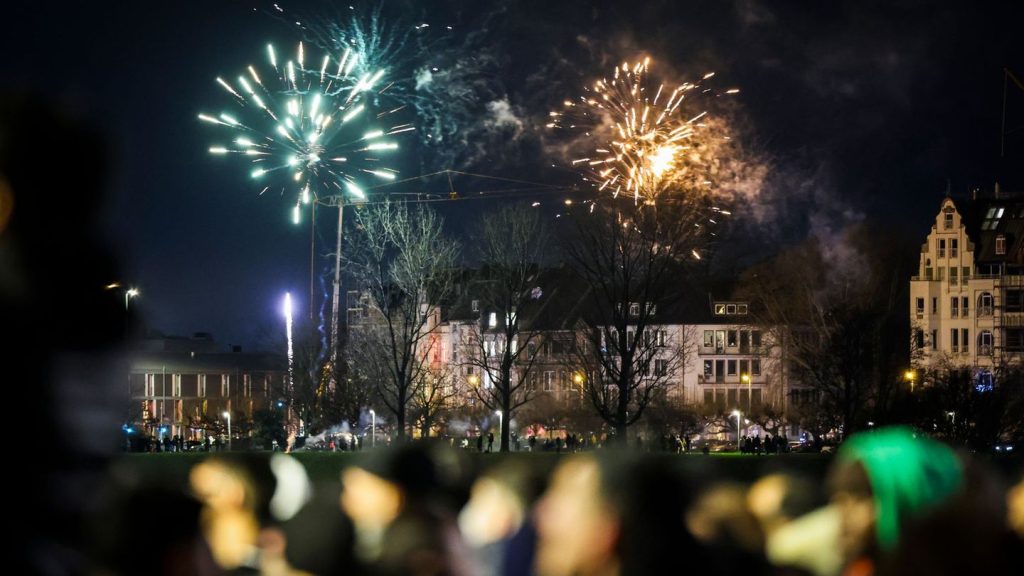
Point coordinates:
pixel 311 129
pixel 646 140
pixel 446 78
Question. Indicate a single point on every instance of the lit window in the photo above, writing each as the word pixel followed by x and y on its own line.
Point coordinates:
pixel 719 309
pixel 492 319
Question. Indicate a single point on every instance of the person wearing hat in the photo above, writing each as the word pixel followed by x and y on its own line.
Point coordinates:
pixel 882 481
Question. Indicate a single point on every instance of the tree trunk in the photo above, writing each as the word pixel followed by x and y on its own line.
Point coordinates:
pixel 622 414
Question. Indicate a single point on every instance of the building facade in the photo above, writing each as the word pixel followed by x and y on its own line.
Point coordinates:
pixel 967 298
pixel 184 386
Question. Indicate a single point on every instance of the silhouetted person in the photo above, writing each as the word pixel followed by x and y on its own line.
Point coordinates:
pixel 61 326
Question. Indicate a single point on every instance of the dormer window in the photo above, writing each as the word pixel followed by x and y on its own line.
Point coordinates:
pixel 634 310
pixel 1000 244
pixel 992 218
pixel 475 305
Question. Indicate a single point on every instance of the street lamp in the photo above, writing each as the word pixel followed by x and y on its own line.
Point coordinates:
pixel 227 415
pixel 498 412
pixel 373 429
pixel 910 376
pixel 129 294
pixel 737 414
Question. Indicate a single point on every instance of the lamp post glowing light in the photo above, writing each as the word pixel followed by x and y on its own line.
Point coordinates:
pixel 373 429
pixel 910 376
pixel 227 415
pixel 129 294
pixel 737 414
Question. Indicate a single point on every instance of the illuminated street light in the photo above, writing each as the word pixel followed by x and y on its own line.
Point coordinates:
pixel 227 415
pixel 129 294
pixel 373 428
pixel 910 376
pixel 737 414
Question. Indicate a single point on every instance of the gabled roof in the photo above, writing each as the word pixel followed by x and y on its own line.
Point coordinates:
pixel 985 219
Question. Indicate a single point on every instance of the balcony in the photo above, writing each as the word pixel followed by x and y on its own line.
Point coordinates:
pixel 1013 320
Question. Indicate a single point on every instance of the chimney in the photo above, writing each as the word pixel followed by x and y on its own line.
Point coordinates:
pixel 997 190
pixel 974 194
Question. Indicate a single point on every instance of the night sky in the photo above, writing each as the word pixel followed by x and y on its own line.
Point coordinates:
pixel 858 109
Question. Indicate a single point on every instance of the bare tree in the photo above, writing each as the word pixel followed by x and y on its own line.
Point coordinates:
pixel 402 259
pixel 511 244
pixel 630 263
pixel 433 400
pixel 835 312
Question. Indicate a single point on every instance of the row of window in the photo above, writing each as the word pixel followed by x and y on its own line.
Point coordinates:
pixel 953 248
pixel 657 338
pixel 956 275
pixel 722 339
pixel 724 309
pixel 742 398
pixel 719 368
pixel 198 384
pixel 959 341
pixel 959 306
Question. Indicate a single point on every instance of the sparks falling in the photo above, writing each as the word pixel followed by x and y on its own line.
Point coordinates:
pixel 310 131
pixel 645 140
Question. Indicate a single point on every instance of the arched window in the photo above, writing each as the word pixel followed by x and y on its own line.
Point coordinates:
pixel 985 343
pixel 985 304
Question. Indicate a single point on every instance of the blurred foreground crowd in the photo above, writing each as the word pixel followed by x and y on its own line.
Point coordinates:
pixel 893 503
